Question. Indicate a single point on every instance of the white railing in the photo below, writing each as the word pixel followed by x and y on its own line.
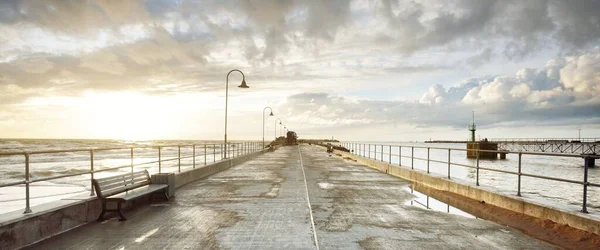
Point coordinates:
pixel 198 150
pixel 371 151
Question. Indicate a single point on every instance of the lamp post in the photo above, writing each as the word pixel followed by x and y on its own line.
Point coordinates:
pixel 244 86
pixel 263 115
pixel 276 127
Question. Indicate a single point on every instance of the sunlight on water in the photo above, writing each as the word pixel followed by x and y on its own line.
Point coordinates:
pixel 12 168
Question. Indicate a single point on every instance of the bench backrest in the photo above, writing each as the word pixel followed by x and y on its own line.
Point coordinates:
pixel 120 183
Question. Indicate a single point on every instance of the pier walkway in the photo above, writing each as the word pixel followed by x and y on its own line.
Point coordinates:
pixel 264 204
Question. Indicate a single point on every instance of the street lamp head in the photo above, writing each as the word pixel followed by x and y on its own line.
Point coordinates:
pixel 279 123
pixel 271 114
pixel 244 85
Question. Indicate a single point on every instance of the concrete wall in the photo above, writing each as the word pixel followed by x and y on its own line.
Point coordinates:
pixel 513 203
pixel 18 230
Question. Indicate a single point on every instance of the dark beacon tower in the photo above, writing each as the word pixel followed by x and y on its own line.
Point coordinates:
pixel 473 145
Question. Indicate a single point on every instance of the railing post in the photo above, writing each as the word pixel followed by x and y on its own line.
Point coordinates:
pixel 428 160
pixel 449 163
pixel 27 207
pixel 412 157
pixel 519 177
pixel 477 168
pixel 381 152
pixel 214 153
pixel 159 160
pixel 194 156
pixel 204 154
pixel 585 185
pixel 179 158
pixel 374 152
pixel 91 172
pixel 399 155
pixel 390 155
pixel 131 160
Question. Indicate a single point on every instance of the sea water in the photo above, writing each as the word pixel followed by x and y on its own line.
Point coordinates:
pixel 565 195
pixel 12 168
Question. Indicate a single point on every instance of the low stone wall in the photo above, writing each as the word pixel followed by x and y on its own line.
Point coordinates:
pixel 18 230
pixel 513 203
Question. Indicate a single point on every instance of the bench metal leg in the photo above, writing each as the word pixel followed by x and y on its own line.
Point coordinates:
pixel 166 195
pixel 101 217
pixel 120 213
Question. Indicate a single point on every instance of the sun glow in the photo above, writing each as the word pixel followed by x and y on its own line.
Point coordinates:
pixel 126 115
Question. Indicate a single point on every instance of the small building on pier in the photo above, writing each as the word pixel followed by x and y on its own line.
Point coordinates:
pixel 473 146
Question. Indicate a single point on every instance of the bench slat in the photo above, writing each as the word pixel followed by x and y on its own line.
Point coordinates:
pixel 120 183
pixel 124 187
pixel 139 192
pixel 121 177
pixel 123 183
pixel 113 191
pixel 142 172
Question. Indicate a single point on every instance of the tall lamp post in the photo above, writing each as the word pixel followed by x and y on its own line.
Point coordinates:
pixel 276 127
pixel 271 114
pixel 244 86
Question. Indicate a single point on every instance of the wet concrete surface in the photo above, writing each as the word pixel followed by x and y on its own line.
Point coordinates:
pixel 264 204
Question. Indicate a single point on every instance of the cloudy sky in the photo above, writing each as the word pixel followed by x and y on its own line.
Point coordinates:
pixel 354 70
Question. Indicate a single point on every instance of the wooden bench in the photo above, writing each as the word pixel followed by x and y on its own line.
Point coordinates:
pixel 124 187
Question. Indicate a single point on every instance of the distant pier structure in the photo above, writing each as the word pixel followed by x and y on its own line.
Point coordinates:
pixel 584 146
pixel 473 146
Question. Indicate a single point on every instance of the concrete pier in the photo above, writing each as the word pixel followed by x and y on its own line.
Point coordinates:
pixel 297 197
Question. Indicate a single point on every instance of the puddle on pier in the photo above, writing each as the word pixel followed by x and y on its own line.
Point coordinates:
pixel 426 202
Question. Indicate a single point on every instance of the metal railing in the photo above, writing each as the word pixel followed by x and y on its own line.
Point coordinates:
pixel 544 140
pixel 198 150
pixel 371 151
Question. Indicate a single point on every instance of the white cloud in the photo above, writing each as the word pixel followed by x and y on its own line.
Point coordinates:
pixel 103 61
pixel 582 74
pixel 371 50
pixel 35 65
pixel 528 95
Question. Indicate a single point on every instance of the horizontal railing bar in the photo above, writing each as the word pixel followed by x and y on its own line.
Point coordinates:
pixel 552 178
pixel 58 177
pixel 438 161
pixel 499 170
pixel 12 183
pixel 422 159
pixel 112 168
pixel 98 149
pixel 462 165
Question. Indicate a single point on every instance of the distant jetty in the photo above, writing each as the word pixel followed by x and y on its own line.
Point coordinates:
pixel 444 141
pixel 317 141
